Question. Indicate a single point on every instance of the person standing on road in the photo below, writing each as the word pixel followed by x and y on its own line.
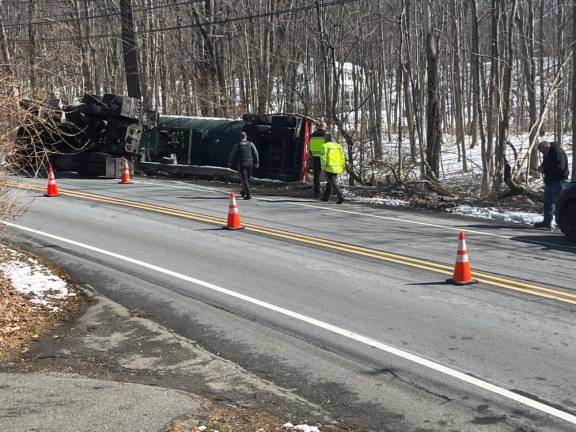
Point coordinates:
pixel 555 170
pixel 315 146
pixel 245 155
pixel 333 163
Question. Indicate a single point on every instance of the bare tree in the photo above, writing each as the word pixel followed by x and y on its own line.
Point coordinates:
pixel 433 119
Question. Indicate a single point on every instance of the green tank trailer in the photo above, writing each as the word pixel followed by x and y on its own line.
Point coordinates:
pixel 93 137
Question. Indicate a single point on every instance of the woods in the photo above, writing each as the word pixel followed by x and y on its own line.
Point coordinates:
pixel 400 80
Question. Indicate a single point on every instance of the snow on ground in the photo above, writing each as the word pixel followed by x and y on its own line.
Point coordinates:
pixel 301 427
pixel 451 167
pixel 495 214
pixel 450 164
pixel 28 276
pixel 388 202
pixel 526 218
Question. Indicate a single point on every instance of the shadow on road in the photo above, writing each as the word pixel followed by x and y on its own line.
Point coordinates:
pixel 548 241
pixel 439 283
pixel 203 198
pixel 306 201
pixel 514 227
pixel 219 229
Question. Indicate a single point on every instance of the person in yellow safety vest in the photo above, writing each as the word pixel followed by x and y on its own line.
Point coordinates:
pixel 315 146
pixel 333 163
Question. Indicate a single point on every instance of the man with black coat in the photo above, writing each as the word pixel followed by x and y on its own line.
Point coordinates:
pixel 245 155
pixel 315 148
pixel 555 170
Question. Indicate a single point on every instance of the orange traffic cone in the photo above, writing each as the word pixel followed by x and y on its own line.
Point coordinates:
pixel 125 177
pixel 462 273
pixel 52 188
pixel 233 222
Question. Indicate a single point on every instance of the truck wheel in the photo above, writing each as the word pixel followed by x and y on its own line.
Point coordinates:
pixel 568 226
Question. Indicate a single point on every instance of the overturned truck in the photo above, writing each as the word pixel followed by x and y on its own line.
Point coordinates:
pixel 102 130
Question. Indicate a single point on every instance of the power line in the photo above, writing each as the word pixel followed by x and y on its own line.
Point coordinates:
pixel 66 17
pixel 40 2
pixel 261 15
pixel 194 25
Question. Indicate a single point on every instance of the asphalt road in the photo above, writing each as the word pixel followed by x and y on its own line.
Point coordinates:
pixel 326 320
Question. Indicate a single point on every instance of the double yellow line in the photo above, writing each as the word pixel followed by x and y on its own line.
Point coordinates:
pixel 511 284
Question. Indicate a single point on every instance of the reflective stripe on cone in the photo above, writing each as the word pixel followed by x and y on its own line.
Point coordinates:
pixel 233 222
pixel 51 188
pixel 125 176
pixel 462 273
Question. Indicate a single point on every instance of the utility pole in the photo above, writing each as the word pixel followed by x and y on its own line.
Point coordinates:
pixel 573 91
pixel 129 50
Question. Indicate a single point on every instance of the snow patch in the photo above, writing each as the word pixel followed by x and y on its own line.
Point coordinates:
pixel 389 202
pixel 301 427
pixel 495 214
pixel 28 276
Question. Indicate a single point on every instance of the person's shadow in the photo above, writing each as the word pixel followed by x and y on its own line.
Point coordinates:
pixel 547 239
pixel 203 197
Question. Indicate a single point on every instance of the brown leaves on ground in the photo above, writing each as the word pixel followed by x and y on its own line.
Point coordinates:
pixel 226 418
pixel 22 322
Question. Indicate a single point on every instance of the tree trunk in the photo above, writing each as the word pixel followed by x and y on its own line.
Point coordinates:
pixel 494 95
pixel 433 118
pixel 83 35
pixel 558 126
pixel 7 66
pixel 129 50
pixel 506 88
pixel 32 45
pixel 477 94
pixel 457 79
pixel 399 74
pixel 529 67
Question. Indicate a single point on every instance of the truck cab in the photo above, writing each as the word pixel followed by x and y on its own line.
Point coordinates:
pixel 566 212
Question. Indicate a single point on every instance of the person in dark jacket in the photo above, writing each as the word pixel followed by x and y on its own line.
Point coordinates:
pixel 555 171
pixel 315 146
pixel 245 155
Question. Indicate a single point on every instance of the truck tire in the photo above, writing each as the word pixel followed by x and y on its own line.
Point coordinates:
pixel 568 226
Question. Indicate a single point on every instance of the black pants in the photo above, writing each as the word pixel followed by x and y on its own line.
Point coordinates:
pixel 245 171
pixel 316 170
pixel 331 184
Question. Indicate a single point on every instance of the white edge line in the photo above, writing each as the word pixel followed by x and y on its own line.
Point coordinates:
pixel 405 221
pixel 184 186
pixel 329 327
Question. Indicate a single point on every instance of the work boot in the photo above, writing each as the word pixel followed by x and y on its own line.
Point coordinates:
pixel 545 224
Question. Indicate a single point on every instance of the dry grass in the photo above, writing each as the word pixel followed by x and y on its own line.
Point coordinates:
pixel 226 418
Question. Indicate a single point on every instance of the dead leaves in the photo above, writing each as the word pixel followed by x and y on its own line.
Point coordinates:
pixel 22 322
pixel 227 418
